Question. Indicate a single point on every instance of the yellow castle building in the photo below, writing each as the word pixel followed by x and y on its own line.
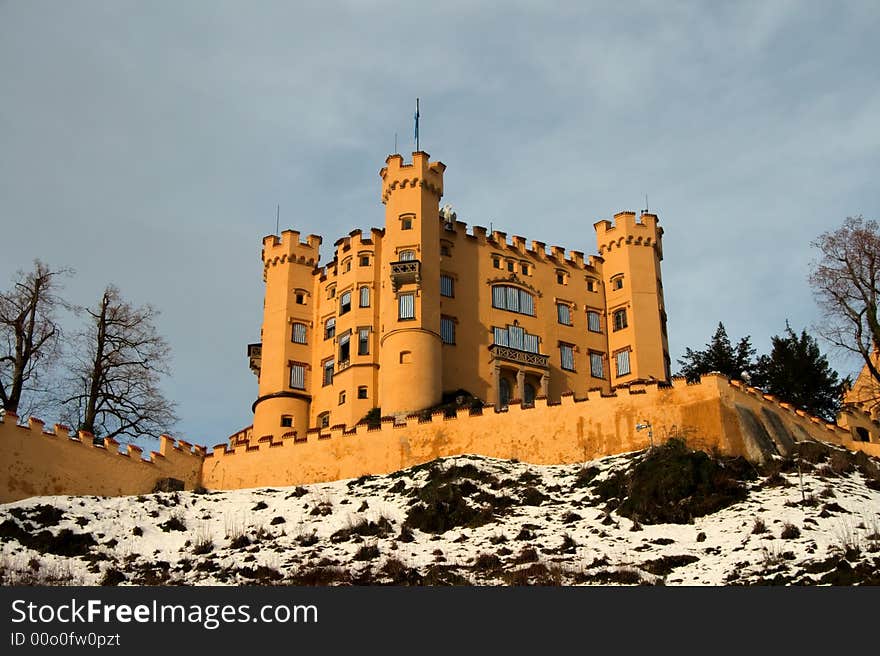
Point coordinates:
pixel 423 311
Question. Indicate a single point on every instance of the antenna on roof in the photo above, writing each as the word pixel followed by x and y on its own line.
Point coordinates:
pixel 646 203
pixel 277 218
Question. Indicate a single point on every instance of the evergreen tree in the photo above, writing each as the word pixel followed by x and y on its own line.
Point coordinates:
pixel 721 356
pixel 797 372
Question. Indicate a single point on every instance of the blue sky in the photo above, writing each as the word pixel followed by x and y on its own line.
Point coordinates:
pixel 147 145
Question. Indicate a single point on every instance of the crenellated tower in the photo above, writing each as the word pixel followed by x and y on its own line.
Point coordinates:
pixel 282 361
pixel 632 250
pixel 410 367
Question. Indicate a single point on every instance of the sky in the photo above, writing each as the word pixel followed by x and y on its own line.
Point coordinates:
pixel 147 145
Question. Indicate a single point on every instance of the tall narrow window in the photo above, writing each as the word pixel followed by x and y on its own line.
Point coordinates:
pixel 617 282
pixel 328 371
pixel 363 341
pixel 515 337
pixel 596 365
pixel 365 260
pixel 406 306
pixel 299 333
pixel 591 285
pixel 447 285
pixel 563 313
pixel 500 337
pixel 365 297
pixel 622 358
pixel 619 319
pixel 406 223
pixel 447 330
pixel 297 376
pixel 530 343
pixel 566 353
pixel 362 392
pixel 594 323
pixel 344 347
pixel 345 302
pixel 324 419
pixel 330 328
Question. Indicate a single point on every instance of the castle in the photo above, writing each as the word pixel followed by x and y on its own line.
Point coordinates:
pixel 423 310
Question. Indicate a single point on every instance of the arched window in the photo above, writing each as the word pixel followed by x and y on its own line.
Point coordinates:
pixel 406 256
pixel 513 299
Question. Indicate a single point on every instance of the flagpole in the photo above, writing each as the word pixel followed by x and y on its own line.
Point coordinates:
pixel 417 125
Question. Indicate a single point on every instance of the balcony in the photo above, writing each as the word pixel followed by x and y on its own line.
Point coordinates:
pixel 500 352
pixel 405 271
pixel 255 356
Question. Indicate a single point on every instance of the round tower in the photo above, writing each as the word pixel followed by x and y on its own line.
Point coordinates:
pixel 283 357
pixel 410 366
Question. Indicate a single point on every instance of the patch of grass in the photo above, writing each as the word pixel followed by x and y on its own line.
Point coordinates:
pixel 585 476
pixel 487 562
pixel 239 542
pixel 112 576
pixel 534 574
pixel 260 505
pixel 42 514
pixel 664 565
pixel 64 543
pixel 173 523
pixel 367 552
pixel 277 520
pixel 759 526
pixel 364 528
pixel 527 555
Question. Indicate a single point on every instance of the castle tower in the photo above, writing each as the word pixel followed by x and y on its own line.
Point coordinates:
pixel 410 367
pixel 282 361
pixel 636 317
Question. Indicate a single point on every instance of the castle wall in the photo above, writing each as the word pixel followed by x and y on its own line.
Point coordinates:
pixel 37 463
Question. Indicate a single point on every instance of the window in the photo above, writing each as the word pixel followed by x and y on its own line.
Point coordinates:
pixel 513 299
pixel 344 347
pixel 365 297
pixel 324 419
pixel 525 269
pixel 300 299
pixel 298 376
pixel 342 397
pixel 515 337
pixel 447 285
pixel 560 278
pixel 406 223
pixel 345 303
pixel 617 282
pixel 591 285
pixel 286 421
pixel 406 256
pixel 622 358
pixel 331 292
pixel 406 357
pixel 330 328
pixel 447 330
pixel 365 260
pixel 529 394
pixel 511 266
pixel 496 262
pixel 596 365
pixel 362 392
pixel 328 372
pixel 346 266
pixel 406 306
pixel 445 251
pixel 298 334
pixel 363 341
pixel 619 319
pixel 563 313
pixel 566 353
pixel 594 321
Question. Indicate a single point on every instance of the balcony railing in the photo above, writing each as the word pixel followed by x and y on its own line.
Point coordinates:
pixel 521 357
pixel 255 357
pixel 405 271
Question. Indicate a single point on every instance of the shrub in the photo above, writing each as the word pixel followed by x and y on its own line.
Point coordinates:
pixel 367 552
pixel 759 526
pixel 790 532
pixel 174 523
pixel 486 562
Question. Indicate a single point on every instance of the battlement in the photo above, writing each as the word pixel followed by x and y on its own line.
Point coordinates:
pixel 627 229
pixel 421 172
pixel 355 242
pixel 289 248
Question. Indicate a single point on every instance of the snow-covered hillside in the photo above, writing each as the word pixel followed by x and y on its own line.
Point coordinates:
pixel 477 521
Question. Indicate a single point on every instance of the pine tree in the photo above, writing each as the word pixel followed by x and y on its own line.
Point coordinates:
pixel 797 372
pixel 719 355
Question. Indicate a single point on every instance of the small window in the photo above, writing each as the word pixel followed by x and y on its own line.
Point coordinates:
pixel 365 260
pixel 445 251
pixel 298 334
pixel 496 262
pixel 563 313
pixel 342 397
pixel 406 357
pixel 619 319
pixel 596 365
pixel 525 269
pixel 447 286
pixel 362 392
pixel 363 341
pixel 365 297
pixel 286 421
pixel 560 278
pixel 862 434
pixel 300 299
pixel 591 285
pixel 324 419
pixel 406 256
pixel 566 354
pixel 511 266
pixel 345 302
pixel 331 292
pixel 328 372
pixel 345 347
pixel 617 282
pixel 447 330
pixel 330 328
pixel 406 223
pixel 594 321
pixel 346 266
pixel 298 376
pixel 622 358
pixel 406 306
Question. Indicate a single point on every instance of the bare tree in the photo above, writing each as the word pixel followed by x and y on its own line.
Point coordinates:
pixel 846 282
pixel 115 368
pixel 29 335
